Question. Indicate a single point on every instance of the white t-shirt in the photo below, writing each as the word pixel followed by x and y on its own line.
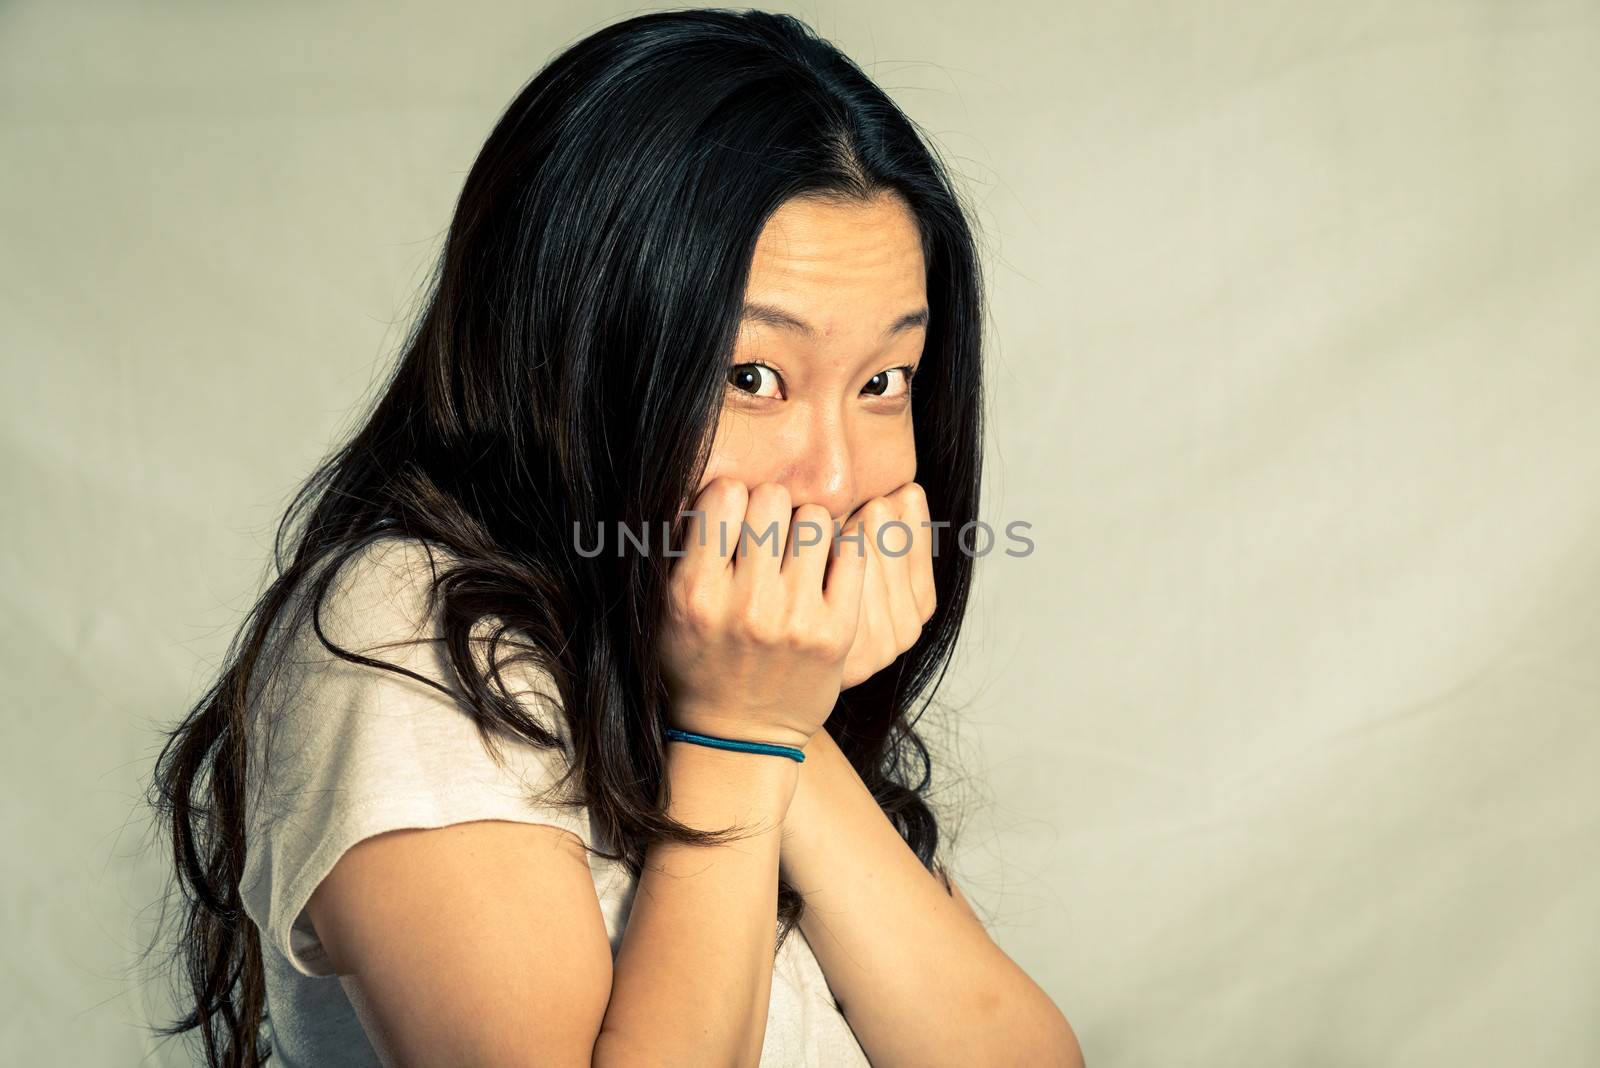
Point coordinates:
pixel 356 751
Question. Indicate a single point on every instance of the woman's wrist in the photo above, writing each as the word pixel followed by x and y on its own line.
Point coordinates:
pixel 735 724
pixel 723 786
pixel 738 745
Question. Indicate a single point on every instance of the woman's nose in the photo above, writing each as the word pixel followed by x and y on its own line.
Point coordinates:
pixel 823 475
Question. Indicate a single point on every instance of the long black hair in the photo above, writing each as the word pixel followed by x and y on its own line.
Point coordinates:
pixel 568 367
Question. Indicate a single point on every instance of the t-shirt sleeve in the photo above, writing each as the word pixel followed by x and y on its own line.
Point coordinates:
pixel 353 750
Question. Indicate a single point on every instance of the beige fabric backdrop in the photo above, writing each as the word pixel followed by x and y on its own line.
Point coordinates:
pixel 1280 747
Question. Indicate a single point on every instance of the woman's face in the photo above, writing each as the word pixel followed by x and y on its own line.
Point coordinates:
pixel 817 397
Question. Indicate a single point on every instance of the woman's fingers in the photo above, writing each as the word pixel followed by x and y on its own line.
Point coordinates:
pixel 897 596
pixel 843 584
pixel 805 555
pixel 703 564
pixel 866 655
pixel 753 643
pixel 913 594
pixel 875 578
pixel 904 621
pixel 876 625
pixel 925 590
pixel 759 539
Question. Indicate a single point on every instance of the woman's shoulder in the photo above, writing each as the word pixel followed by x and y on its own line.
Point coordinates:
pixel 379 594
pixel 379 605
pixel 399 717
pixel 356 750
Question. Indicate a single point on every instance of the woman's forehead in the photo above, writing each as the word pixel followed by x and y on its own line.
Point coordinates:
pixel 822 270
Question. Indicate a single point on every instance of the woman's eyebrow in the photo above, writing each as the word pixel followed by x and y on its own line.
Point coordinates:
pixel 771 315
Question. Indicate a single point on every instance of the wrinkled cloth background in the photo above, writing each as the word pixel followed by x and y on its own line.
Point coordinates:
pixel 1278 749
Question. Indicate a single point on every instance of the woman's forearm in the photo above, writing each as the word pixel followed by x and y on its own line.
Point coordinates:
pixel 693 973
pixel 917 976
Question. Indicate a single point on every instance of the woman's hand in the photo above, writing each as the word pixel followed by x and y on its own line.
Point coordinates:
pixel 756 634
pixel 897 591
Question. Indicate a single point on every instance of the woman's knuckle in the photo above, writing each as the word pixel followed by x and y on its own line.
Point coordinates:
pixel 770 495
pixel 756 624
pixel 698 610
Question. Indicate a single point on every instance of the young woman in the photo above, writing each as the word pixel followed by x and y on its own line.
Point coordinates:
pixel 538 783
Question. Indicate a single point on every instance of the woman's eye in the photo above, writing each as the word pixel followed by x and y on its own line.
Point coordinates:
pixel 746 378
pixel 878 384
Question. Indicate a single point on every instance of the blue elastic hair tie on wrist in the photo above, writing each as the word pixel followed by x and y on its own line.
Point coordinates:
pixel 733 743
